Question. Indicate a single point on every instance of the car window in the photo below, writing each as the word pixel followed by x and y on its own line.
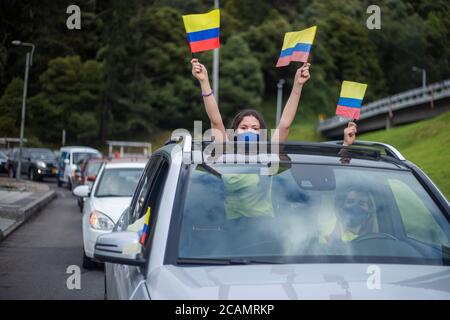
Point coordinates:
pixel 418 212
pixel 152 202
pixel 148 203
pixel 137 204
pixel 118 182
pixel 80 156
pixel 42 155
pixel 308 213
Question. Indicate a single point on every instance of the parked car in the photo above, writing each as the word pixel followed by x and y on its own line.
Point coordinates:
pixel 37 163
pixel 3 162
pixel 105 201
pixel 69 157
pixel 86 174
pixel 237 230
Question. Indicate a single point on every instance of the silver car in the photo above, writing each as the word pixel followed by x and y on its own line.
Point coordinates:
pixel 325 222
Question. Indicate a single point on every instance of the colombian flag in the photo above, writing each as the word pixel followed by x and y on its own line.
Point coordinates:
pixel 144 231
pixel 203 30
pixel 296 46
pixel 350 100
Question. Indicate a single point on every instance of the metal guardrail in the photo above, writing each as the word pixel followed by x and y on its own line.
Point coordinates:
pixel 398 101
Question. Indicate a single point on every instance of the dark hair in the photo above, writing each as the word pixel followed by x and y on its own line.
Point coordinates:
pixel 341 196
pixel 245 113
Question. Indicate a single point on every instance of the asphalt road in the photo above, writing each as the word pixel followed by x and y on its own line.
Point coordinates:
pixel 35 258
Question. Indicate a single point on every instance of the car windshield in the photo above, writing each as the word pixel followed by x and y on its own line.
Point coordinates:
pixel 118 182
pixel 2 155
pixel 42 155
pixel 92 168
pixel 78 157
pixel 310 213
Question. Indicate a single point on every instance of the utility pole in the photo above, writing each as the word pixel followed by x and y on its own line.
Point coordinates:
pixel 424 75
pixel 28 64
pixel 279 100
pixel 216 65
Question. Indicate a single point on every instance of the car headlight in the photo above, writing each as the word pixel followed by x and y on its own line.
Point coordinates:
pixel 41 164
pixel 100 221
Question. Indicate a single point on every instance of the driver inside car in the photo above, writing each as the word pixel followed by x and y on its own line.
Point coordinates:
pixel 355 216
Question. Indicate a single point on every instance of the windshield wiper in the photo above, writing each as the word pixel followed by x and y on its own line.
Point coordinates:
pixel 231 261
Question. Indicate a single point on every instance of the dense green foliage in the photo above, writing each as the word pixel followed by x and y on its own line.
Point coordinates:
pixel 126 75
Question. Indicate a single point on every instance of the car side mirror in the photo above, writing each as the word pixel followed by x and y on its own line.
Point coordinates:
pixel 91 178
pixel 82 191
pixel 119 247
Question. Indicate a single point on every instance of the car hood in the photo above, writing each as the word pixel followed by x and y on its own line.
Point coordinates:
pixel 306 281
pixel 113 207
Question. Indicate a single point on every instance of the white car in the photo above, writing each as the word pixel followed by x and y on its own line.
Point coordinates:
pixel 68 160
pixel 105 201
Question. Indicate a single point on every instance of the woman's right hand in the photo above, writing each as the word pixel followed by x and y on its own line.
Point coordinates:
pixel 199 71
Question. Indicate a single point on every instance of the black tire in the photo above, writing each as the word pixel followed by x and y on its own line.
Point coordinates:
pixel 59 183
pixel 87 262
pixel 32 174
pixel 80 203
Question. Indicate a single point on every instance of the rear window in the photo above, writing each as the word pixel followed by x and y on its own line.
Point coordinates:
pixel 42 155
pixel 78 157
pixel 311 213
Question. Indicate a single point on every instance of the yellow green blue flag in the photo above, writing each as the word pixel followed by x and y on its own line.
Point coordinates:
pixel 297 46
pixel 350 100
pixel 203 30
pixel 145 229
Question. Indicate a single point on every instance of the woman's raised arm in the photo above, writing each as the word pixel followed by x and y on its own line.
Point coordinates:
pixel 301 76
pixel 212 109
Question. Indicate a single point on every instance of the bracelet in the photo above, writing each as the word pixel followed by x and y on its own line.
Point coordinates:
pixel 208 94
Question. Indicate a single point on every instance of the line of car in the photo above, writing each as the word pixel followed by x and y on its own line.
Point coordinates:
pixel 40 163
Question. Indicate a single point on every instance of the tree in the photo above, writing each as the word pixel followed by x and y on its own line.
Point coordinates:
pixel 10 108
pixel 241 79
pixel 70 99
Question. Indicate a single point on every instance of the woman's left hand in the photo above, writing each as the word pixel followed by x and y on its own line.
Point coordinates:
pixel 302 75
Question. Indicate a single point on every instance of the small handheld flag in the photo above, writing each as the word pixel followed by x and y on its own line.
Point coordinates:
pixel 350 100
pixel 144 231
pixel 296 46
pixel 203 30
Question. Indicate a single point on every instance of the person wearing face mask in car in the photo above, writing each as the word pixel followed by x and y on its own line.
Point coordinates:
pixel 355 216
pixel 355 208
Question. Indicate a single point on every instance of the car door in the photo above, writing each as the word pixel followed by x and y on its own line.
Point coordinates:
pixel 122 281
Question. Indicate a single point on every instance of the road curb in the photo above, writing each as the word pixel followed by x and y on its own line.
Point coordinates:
pixel 25 213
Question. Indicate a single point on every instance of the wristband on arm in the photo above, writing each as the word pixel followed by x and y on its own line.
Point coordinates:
pixel 207 94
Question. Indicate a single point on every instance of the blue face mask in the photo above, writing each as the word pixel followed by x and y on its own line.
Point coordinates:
pixel 247 136
pixel 353 216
